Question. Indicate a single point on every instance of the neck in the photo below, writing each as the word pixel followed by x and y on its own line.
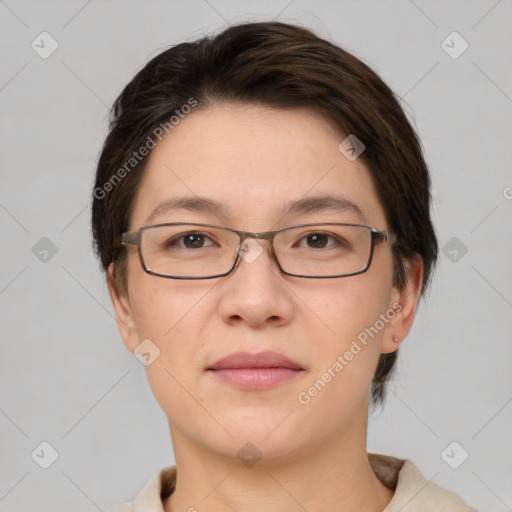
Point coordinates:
pixel 332 475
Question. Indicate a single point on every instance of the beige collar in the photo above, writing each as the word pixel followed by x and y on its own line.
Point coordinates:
pixel 413 492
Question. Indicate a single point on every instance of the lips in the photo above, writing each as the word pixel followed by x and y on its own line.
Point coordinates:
pixel 255 371
pixel 239 360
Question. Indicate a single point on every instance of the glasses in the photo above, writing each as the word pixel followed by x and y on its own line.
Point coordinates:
pixel 205 251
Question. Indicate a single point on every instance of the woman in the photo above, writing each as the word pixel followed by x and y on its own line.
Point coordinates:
pixel 262 211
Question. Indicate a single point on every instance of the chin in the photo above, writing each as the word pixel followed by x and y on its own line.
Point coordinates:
pixel 256 448
pixel 272 432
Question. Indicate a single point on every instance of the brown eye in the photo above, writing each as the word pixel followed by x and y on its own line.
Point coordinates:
pixel 317 240
pixel 193 240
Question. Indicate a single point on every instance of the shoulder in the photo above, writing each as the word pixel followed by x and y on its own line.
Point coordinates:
pixel 413 492
pixel 149 499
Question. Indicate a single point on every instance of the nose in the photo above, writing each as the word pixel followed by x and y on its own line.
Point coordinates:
pixel 255 292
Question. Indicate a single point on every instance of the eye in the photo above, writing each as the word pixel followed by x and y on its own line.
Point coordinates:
pixel 319 240
pixel 192 240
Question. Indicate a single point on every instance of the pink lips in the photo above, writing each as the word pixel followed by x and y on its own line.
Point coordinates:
pixel 255 371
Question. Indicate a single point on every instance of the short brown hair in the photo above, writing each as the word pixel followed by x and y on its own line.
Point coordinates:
pixel 283 66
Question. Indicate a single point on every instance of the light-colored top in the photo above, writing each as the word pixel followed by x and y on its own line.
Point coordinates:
pixel 413 492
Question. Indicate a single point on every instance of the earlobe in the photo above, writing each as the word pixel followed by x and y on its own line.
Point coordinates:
pixel 123 312
pixel 404 302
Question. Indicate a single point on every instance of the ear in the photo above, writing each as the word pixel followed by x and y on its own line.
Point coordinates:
pixel 123 312
pixel 404 302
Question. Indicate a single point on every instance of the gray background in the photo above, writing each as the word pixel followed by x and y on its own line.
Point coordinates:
pixel 67 379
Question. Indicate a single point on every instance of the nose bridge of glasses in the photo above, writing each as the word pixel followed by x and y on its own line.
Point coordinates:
pixel 264 235
pixel 250 248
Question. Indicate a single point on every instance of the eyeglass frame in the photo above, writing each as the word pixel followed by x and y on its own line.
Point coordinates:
pixel 134 238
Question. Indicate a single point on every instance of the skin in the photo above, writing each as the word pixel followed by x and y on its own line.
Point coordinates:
pixel 252 159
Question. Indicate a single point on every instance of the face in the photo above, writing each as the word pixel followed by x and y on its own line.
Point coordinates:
pixel 254 161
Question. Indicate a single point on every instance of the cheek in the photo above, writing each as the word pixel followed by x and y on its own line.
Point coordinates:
pixel 174 316
pixel 162 306
pixel 345 356
pixel 353 315
pixel 348 305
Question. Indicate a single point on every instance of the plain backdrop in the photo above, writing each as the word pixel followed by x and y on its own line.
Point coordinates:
pixel 66 379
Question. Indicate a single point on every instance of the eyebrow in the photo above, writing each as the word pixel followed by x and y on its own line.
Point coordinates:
pixel 312 204
pixel 327 202
pixel 195 204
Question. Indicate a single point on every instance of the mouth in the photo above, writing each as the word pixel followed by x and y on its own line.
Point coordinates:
pixel 255 371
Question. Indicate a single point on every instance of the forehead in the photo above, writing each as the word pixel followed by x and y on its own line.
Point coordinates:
pixel 253 163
